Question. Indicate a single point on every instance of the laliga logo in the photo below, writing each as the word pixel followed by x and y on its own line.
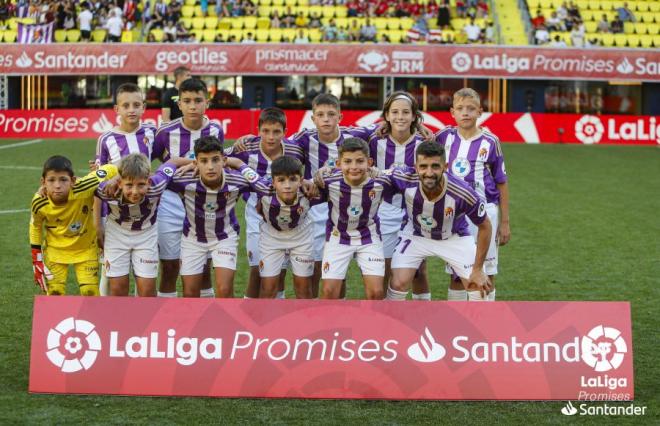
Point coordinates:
pixel 23 61
pixel 461 62
pixel 373 61
pixel 598 344
pixel 73 358
pixel 102 125
pixel 427 349
pixel 589 129
pixel 625 67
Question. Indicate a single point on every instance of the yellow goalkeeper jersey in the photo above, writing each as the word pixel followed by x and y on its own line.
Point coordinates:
pixel 70 232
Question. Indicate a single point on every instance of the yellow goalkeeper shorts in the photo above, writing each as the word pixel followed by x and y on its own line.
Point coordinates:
pixel 87 274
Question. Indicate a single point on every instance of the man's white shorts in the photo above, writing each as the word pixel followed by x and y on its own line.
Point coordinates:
pixel 490 264
pixel 336 258
pixel 389 244
pixel 170 225
pixel 296 245
pixel 319 216
pixel 457 251
pixel 124 248
pixel 391 218
pixel 194 254
pixel 253 223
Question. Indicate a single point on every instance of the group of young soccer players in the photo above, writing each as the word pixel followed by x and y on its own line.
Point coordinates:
pixel 389 195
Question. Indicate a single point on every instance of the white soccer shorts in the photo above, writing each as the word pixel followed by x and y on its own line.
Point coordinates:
pixel 253 223
pixel 124 248
pixel 319 217
pixel 170 226
pixel 337 257
pixel 296 246
pixel 194 254
pixel 490 264
pixel 458 252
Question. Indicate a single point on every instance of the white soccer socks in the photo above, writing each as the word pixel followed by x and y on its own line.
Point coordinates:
pixel 280 295
pixel 207 292
pixel 491 296
pixel 395 294
pixel 421 296
pixel 456 295
pixel 475 296
pixel 169 295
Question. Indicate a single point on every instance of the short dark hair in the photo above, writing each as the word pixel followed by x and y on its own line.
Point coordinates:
pixel 57 163
pixel 354 145
pixel 326 99
pixel 430 149
pixel 272 115
pixel 286 166
pixel 127 88
pixel 179 71
pixel 207 144
pixel 193 85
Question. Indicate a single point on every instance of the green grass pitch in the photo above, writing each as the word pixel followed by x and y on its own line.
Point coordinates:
pixel 585 226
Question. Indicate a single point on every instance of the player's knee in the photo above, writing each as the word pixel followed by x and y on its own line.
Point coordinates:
pixel 89 290
pixel 376 294
pixel 56 289
pixel 170 268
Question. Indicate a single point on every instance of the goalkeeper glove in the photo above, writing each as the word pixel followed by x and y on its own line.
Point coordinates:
pixel 41 271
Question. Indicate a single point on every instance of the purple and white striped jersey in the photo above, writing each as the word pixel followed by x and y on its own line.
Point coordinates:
pixel 284 217
pixel 209 213
pixel 141 216
pixel 478 161
pixel 387 154
pixel 443 217
pixel 114 144
pixel 174 139
pixel 257 160
pixel 353 210
pixel 318 154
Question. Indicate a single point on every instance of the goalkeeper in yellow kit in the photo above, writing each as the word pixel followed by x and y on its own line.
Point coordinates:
pixel 65 212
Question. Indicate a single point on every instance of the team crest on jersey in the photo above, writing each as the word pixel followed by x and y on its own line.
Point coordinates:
pixel 482 210
pixel 85 209
pixel 101 173
pixel 261 265
pixel 372 194
pixel 449 211
pixel 460 167
pixel 300 210
pixel 210 206
pixel 75 227
pixel 355 210
pixel 326 267
pixel 483 153
pixel 335 232
pixel 427 222
pixel 168 171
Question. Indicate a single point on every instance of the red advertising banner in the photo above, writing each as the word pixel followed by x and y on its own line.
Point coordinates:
pixel 509 127
pixel 333 59
pixel 340 349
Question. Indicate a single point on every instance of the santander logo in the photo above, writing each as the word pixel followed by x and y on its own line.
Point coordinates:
pixel 102 125
pixel 23 61
pixel 427 349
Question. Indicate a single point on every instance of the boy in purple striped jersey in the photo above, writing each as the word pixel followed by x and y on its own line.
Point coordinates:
pixel 259 152
pixel 176 139
pixel 437 205
pixel 210 226
pixel 474 155
pixel 130 136
pixel 131 236
pixel 285 230
pixel 352 228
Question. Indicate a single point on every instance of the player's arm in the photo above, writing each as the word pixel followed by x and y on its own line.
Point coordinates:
pixel 98 223
pixel 365 132
pixel 41 272
pixel 478 216
pixel 255 183
pixel 503 230
pixel 87 185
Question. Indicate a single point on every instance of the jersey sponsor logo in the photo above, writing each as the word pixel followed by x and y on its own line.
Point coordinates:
pixel 101 173
pixel 210 206
pixel 460 167
pixel 355 210
pixel 73 345
pixel 75 227
pixel 482 210
pixel 331 162
pixel 168 171
pixel 285 219
pixel 426 222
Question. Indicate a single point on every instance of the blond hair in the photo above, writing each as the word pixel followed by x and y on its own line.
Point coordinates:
pixel 134 166
pixel 467 92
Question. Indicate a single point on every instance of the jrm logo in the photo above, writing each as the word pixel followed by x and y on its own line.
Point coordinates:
pixel 407 62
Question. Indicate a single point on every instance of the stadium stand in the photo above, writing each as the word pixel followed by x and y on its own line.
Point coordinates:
pixel 590 23
pixel 395 21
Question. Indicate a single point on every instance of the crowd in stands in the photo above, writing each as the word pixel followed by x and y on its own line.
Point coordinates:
pixel 159 20
pixel 567 19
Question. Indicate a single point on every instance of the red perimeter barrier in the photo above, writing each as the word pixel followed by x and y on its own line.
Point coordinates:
pixel 332 59
pixel 339 349
pixel 509 127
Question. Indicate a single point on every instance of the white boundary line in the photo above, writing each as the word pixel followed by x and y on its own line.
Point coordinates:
pixel 21 167
pixel 14 211
pixel 13 145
